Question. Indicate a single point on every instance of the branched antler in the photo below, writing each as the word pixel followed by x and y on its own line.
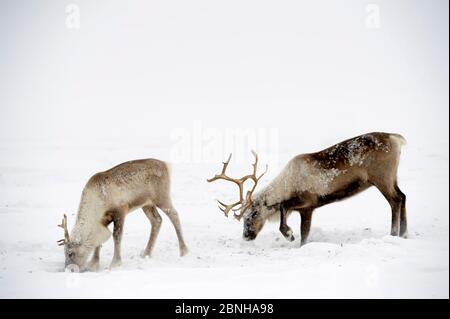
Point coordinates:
pixel 243 203
pixel 63 225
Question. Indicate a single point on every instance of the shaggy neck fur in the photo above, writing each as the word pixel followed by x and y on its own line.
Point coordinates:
pixel 88 231
pixel 277 190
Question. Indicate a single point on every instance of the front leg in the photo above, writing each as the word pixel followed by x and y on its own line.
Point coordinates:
pixel 306 216
pixel 284 228
pixel 95 261
pixel 118 221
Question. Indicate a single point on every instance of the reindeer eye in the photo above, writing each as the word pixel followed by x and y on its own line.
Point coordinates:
pixel 254 214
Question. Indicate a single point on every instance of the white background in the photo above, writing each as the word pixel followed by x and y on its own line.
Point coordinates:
pixel 75 101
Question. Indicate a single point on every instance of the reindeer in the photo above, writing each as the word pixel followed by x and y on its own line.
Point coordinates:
pixel 313 180
pixel 107 198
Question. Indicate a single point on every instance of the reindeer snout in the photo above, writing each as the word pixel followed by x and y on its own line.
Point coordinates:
pixel 249 235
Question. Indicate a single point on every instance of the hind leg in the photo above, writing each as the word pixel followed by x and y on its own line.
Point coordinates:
pixel 403 219
pixel 155 219
pixel 396 199
pixel 172 213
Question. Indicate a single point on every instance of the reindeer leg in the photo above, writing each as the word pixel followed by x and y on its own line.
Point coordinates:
pixel 395 199
pixel 284 228
pixel 395 222
pixel 155 220
pixel 172 213
pixel 94 264
pixel 306 216
pixel 118 221
pixel 403 221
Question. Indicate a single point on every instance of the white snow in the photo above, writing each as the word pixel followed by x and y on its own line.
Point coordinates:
pixel 298 76
pixel 349 254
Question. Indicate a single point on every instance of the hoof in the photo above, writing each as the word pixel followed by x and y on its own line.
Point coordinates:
pixel 94 267
pixel 288 235
pixel 115 264
pixel 394 234
pixel 184 251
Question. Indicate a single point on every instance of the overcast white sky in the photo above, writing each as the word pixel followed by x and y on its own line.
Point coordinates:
pixel 141 68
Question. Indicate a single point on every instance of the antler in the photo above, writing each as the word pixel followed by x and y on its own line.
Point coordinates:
pixel 63 225
pixel 243 202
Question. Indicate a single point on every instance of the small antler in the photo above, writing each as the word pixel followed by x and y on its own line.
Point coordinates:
pixel 243 202
pixel 63 225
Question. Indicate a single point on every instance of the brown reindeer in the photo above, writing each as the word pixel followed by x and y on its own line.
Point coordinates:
pixel 107 198
pixel 316 179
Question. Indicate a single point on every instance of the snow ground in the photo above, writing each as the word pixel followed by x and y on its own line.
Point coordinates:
pixel 349 254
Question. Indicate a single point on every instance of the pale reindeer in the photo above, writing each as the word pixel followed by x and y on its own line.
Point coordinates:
pixel 107 198
pixel 313 180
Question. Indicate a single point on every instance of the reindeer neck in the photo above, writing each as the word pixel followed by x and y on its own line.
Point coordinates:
pixel 90 212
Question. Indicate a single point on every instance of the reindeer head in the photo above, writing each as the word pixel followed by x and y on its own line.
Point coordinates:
pixel 247 207
pixel 74 252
